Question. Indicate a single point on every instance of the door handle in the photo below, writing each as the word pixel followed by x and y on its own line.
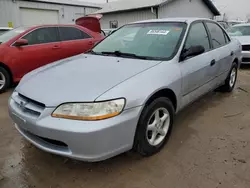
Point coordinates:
pixel 232 53
pixel 91 43
pixel 55 47
pixel 212 62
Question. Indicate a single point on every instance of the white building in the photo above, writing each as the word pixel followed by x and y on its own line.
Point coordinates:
pixel 118 13
pixel 32 12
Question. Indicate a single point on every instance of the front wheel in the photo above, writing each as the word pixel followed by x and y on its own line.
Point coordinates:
pixel 231 79
pixel 4 80
pixel 154 127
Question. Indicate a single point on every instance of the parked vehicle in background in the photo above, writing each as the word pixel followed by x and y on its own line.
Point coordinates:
pixel 137 88
pixel 242 33
pixel 4 29
pixel 27 48
pixel 235 22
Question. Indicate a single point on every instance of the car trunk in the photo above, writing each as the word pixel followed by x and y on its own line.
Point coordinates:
pixel 90 22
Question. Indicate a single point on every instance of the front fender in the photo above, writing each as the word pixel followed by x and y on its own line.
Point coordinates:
pixel 138 89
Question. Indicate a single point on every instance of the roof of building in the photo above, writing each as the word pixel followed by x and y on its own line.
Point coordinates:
pixel 127 5
pixel 71 2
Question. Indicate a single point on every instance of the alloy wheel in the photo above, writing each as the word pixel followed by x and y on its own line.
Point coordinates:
pixel 232 77
pixel 158 126
pixel 2 80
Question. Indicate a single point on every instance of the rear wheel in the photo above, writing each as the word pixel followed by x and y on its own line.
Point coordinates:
pixel 231 79
pixel 4 79
pixel 154 127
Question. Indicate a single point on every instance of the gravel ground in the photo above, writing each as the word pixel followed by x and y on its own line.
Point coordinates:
pixel 209 148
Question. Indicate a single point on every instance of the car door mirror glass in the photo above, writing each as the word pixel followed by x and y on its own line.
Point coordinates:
pixel 192 51
pixel 21 42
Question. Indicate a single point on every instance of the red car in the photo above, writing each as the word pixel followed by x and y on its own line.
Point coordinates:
pixel 27 48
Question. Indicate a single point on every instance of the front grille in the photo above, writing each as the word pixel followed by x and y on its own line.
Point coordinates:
pixel 33 101
pixel 245 59
pixel 245 47
pixel 28 106
pixel 32 112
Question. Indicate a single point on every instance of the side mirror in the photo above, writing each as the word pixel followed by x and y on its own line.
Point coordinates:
pixel 21 42
pixel 192 51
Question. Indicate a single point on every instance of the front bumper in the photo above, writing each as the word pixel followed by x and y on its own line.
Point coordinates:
pixel 83 140
pixel 245 57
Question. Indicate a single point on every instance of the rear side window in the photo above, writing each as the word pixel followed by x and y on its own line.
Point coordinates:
pixel 71 33
pixel 42 36
pixel 197 36
pixel 217 35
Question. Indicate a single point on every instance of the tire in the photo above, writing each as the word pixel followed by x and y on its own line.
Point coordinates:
pixel 231 79
pixel 5 79
pixel 144 143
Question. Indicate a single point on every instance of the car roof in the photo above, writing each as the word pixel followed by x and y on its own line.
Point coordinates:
pixel 181 19
pixel 51 25
pixel 6 28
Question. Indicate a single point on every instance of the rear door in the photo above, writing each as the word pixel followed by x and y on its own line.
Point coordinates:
pixel 197 72
pixel 43 48
pixel 74 41
pixel 221 52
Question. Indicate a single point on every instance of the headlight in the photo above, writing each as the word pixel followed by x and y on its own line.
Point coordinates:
pixel 90 111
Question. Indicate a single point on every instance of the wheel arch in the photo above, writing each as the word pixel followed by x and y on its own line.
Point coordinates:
pixel 236 61
pixel 166 92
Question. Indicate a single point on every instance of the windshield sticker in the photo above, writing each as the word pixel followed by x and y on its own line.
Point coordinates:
pixel 178 29
pixel 158 32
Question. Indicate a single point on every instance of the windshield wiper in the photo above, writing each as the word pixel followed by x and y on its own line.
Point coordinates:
pixel 123 54
pixel 93 52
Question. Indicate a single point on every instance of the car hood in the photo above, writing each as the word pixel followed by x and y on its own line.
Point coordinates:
pixel 82 78
pixel 244 40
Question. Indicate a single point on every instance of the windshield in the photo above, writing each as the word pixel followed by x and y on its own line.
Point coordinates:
pixel 5 37
pixel 151 40
pixel 239 31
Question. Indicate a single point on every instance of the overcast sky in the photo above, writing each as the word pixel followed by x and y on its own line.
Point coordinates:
pixel 234 9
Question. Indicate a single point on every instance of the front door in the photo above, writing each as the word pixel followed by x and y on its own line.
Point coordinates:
pixel 198 72
pixel 43 48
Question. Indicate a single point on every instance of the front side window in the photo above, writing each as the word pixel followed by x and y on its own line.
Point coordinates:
pixel 197 36
pixel 71 33
pixel 152 40
pixel 42 36
pixel 217 35
pixel 5 37
pixel 239 31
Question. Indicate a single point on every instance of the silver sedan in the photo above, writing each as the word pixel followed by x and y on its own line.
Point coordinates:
pixel 241 32
pixel 126 91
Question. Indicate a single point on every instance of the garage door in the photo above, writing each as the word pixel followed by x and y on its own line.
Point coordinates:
pixel 38 16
